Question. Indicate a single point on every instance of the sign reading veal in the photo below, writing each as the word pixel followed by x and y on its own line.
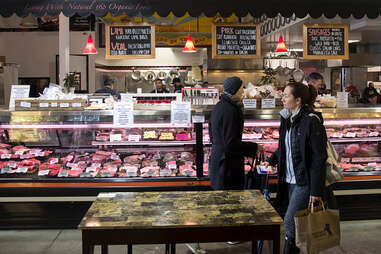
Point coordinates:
pixel 236 40
pixel 325 41
pixel 130 41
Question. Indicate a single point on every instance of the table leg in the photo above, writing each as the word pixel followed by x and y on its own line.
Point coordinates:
pixel 254 247
pixel 87 248
pixel 173 248
pixel 129 249
pixel 276 246
pixel 104 249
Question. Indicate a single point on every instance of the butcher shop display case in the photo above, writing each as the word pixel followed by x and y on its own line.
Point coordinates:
pixel 53 164
pixel 84 149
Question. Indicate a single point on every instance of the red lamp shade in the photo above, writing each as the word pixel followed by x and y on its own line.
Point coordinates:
pixel 189 46
pixel 281 47
pixel 90 47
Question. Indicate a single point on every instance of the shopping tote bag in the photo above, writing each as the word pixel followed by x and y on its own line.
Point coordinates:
pixel 317 228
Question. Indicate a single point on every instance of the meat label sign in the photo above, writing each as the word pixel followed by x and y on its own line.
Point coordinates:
pixel 236 40
pixel 325 41
pixel 130 40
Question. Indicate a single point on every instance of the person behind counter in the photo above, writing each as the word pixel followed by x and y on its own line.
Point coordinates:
pixel 370 94
pixel 159 88
pixel 315 79
pixel 177 84
pixel 109 88
pixel 226 162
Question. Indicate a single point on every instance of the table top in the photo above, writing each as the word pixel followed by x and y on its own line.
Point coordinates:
pixel 178 209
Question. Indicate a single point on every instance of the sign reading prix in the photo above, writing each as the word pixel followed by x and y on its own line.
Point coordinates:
pixel 236 40
pixel 325 41
pixel 130 41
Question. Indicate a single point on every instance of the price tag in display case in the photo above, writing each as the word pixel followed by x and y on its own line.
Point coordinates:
pixel 6 170
pixel 268 103
pixel 133 138
pixel 115 137
pixel 22 170
pixel 43 172
pixel 63 174
pixel 249 103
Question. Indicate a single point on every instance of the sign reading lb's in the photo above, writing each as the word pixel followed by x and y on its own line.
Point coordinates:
pixel 236 40
pixel 130 40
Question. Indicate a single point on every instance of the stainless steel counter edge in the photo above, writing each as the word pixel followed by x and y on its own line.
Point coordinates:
pixel 164 115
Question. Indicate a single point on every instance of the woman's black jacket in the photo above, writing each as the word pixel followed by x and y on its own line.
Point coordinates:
pixel 309 154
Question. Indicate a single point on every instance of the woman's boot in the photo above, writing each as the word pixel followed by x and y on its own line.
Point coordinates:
pixel 290 247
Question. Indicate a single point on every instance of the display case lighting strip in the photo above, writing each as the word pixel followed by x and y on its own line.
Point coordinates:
pixel 92 126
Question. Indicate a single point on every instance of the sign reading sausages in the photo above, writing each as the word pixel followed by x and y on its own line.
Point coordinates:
pixel 325 41
pixel 236 40
pixel 130 41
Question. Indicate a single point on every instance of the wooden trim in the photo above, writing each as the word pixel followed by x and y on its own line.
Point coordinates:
pixel 112 57
pixel 258 40
pixel 103 184
pixel 305 46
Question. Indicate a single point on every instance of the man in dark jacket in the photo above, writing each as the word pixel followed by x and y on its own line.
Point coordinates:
pixel 109 88
pixel 226 163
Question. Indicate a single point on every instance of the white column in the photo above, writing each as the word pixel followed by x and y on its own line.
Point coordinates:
pixel 64 47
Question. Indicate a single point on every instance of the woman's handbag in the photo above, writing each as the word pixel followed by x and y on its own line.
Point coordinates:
pixel 317 228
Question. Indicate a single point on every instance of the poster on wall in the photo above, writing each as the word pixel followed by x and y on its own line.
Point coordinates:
pixel 130 40
pixel 236 40
pixel 325 41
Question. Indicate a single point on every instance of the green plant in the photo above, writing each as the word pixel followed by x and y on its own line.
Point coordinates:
pixel 69 80
pixel 269 77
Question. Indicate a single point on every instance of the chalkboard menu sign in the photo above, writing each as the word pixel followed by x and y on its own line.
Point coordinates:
pixel 325 41
pixel 130 41
pixel 236 40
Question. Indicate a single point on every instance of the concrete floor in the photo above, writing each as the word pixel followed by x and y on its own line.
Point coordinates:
pixel 358 237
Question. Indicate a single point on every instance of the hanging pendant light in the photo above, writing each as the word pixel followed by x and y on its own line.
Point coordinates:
pixel 189 46
pixel 90 47
pixel 281 47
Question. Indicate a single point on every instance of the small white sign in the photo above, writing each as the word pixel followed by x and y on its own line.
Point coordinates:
pixel 180 113
pixel 249 103
pixel 115 137
pixel 22 170
pixel 268 103
pixel 43 172
pixel 342 99
pixel 198 119
pixel 123 113
pixel 134 138
pixel 44 104
pixel 76 104
pixel 6 156
pixel 25 104
pixel 54 104
pixel 64 105
pixel 18 92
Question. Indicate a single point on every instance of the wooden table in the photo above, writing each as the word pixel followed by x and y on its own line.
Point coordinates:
pixel 179 217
